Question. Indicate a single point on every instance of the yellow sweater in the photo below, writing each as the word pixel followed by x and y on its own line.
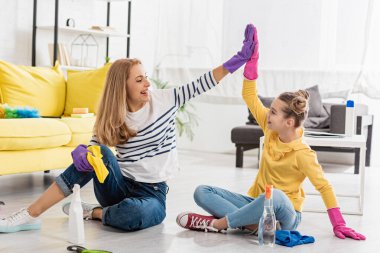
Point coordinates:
pixel 285 165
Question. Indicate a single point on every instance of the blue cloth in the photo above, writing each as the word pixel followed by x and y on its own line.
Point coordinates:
pixel 292 238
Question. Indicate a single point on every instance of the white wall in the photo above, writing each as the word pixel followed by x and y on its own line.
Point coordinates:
pixel 16 30
pixel 216 120
pixel 16 19
pixel 214 131
pixel 284 31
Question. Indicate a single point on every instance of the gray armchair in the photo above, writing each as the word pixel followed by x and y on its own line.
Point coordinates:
pixel 248 137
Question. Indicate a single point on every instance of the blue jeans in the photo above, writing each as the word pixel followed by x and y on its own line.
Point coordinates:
pixel 241 210
pixel 127 204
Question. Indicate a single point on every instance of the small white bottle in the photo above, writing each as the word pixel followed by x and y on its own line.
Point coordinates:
pixel 350 118
pixel 76 224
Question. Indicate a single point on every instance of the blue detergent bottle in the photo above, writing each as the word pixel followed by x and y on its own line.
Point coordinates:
pixel 350 118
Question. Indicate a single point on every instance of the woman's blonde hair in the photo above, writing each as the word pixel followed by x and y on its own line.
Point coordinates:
pixel 110 126
pixel 297 105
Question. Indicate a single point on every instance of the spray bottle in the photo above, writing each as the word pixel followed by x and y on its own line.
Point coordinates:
pixel 267 224
pixel 76 224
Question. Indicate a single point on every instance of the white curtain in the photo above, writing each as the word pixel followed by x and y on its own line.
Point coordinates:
pixel 368 79
pixel 189 34
pixel 332 43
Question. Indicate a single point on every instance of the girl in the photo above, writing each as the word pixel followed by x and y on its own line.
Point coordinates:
pixel 286 162
pixel 141 125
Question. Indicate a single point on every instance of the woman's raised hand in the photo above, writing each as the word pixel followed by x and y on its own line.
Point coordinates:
pixel 245 54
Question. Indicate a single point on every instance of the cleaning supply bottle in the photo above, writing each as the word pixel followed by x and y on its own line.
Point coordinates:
pixel 76 225
pixel 350 118
pixel 267 224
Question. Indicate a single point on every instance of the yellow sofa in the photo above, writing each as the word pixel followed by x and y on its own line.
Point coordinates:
pixel 42 144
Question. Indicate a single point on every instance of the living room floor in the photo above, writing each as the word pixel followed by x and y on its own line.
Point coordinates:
pixel 196 168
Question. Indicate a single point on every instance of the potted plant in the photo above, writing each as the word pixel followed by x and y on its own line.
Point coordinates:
pixel 186 119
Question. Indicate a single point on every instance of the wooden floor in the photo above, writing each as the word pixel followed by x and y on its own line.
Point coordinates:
pixel 196 168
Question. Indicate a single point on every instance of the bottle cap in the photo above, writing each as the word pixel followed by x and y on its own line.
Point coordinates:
pixel 350 103
pixel 76 188
pixel 268 191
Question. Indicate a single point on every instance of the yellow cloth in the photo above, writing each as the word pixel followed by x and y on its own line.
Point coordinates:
pixel 39 87
pixel 285 165
pixel 84 88
pixel 95 159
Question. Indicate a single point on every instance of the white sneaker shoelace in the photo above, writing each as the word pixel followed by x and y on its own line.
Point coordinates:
pixel 18 221
pixel 203 224
pixel 16 217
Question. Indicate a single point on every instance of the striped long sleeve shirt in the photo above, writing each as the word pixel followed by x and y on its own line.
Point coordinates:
pixel 151 156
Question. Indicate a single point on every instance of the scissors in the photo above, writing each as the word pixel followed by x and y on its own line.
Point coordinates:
pixel 80 249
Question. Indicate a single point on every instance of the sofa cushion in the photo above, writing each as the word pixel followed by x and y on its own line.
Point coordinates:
pixel 81 130
pixel 321 121
pixel 39 87
pixel 27 161
pixel 84 88
pixel 250 134
pixel 26 134
pixel 316 109
pixel 315 101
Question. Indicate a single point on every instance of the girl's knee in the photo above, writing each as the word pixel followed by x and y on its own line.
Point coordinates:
pixel 278 195
pixel 284 210
pixel 200 192
pixel 281 200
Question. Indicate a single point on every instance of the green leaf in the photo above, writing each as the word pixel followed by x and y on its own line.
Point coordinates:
pixel 186 119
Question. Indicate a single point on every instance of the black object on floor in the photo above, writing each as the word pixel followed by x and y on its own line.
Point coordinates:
pixel 80 249
pixel 2 203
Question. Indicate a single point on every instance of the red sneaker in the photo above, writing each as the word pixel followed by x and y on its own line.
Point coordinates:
pixel 196 222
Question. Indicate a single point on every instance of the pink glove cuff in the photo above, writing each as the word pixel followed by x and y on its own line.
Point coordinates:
pixel 339 226
pixel 336 217
pixel 250 70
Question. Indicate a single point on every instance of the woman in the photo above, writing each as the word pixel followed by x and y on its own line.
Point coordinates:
pixel 286 162
pixel 140 123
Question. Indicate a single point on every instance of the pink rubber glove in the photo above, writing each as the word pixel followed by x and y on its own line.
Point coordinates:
pixel 339 225
pixel 250 69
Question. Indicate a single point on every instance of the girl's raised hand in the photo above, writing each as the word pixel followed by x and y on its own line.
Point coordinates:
pixel 241 57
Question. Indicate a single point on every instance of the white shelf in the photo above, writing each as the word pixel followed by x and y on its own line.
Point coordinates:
pixel 114 0
pixel 85 31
